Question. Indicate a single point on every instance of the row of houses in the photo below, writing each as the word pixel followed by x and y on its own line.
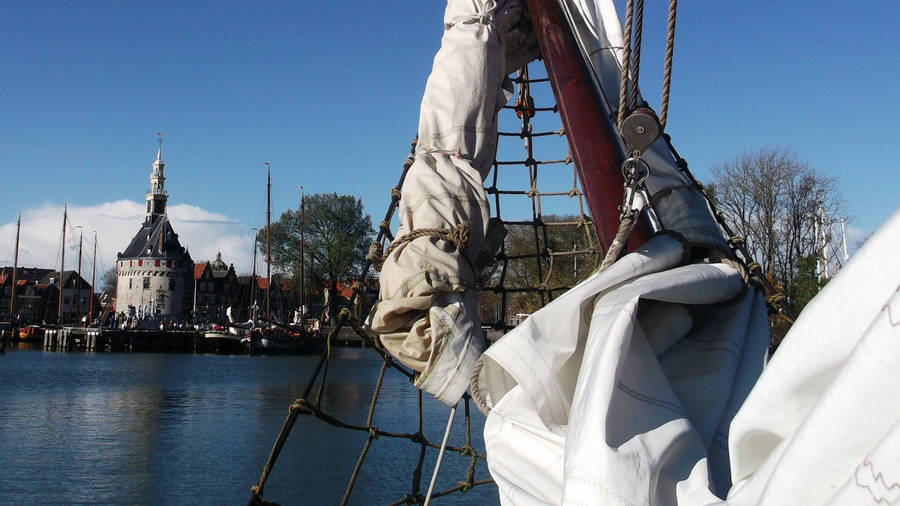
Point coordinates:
pixel 37 293
pixel 214 289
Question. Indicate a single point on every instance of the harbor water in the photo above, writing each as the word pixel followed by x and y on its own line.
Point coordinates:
pixel 144 428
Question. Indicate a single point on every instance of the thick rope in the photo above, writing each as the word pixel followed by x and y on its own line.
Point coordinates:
pixel 636 52
pixel 626 63
pixel 458 236
pixel 667 67
pixel 618 244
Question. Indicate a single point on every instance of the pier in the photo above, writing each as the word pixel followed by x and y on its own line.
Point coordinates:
pixel 80 339
pixel 99 340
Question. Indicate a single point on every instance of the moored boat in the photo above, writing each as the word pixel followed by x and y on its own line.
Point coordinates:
pixel 223 339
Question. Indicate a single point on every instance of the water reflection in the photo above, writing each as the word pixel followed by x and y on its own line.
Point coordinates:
pixel 158 428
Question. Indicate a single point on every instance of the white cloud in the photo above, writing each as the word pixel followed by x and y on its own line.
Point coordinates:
pixel 203 232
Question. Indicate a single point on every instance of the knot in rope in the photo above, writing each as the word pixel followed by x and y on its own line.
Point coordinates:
pixel 775 298
pixel 375 254
pixel 573 192
pixel 464 486
pixel 458 236
pixel 395 193
pixel 745 276
pixel 384 226
pixel 373 432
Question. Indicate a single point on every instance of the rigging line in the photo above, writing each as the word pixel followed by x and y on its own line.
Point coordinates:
pixel 667 67
pixel 636 52
pixel 626 63
pixel 437 465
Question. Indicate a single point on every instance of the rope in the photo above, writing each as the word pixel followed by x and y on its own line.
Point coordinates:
pixel 440 457
pixel 636 52
pixel 458 236
pixel 626 62
pixel 618 244
pixel 502 288
pixel 667 67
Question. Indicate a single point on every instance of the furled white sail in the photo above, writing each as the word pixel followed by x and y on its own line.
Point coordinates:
pixel 426 313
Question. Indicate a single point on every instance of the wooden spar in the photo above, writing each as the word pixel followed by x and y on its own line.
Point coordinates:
pixel 592 137
pixel 93 279
pixel 12 292
pixel 253 286
pixel 268 251
pixel 78 281
pixel 302 210
pixel 62 266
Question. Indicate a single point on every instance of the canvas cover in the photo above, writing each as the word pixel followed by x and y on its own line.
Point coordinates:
pixel 647 396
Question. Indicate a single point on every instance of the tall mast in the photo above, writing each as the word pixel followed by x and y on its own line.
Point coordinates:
pixel 62 266
pixel 93 279
pixel 268 251
pixel 12 293
pixel 302 218
pixel 253 285
pixel 78 281
pixel 844 240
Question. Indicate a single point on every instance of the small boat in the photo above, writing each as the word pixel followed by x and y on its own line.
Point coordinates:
pixel 277 340
pixel 223 339
pixel 31 333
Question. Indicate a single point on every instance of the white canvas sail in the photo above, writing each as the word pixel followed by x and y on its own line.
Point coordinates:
pixel 426 313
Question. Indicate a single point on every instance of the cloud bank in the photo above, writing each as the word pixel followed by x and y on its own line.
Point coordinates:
pixel 204 233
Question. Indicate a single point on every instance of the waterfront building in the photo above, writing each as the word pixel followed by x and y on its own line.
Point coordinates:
pixel 216 288
pixel 155 272
pixel 37 295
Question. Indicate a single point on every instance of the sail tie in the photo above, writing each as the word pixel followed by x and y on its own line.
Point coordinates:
pixel 457 236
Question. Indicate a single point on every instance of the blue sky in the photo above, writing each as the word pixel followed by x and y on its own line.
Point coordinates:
pixel 329 96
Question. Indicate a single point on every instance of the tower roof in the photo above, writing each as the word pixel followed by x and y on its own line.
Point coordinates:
pixel 156 240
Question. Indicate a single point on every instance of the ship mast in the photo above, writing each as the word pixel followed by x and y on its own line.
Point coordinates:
pixel 253 286
pixel 268 250
pixel 12 293
pixel 78 281
pixel 93 279
pixel 62 266
pixel 302 218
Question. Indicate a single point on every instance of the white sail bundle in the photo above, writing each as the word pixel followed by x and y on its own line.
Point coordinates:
pixel 426 313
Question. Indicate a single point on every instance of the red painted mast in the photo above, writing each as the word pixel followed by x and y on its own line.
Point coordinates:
pixel 592 138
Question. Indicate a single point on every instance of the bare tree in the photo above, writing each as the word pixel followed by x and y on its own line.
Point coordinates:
pixel 108 281
pixel 780 206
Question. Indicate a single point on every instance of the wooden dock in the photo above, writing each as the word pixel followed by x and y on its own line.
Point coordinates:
pixel 175 341
pixel 99 340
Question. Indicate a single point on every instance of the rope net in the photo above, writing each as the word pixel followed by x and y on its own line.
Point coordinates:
pixel 550 245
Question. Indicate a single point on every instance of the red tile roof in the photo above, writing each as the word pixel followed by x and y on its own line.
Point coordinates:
pixel 198 270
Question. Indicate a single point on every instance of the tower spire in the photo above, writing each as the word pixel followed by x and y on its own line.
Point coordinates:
pixel 157 196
